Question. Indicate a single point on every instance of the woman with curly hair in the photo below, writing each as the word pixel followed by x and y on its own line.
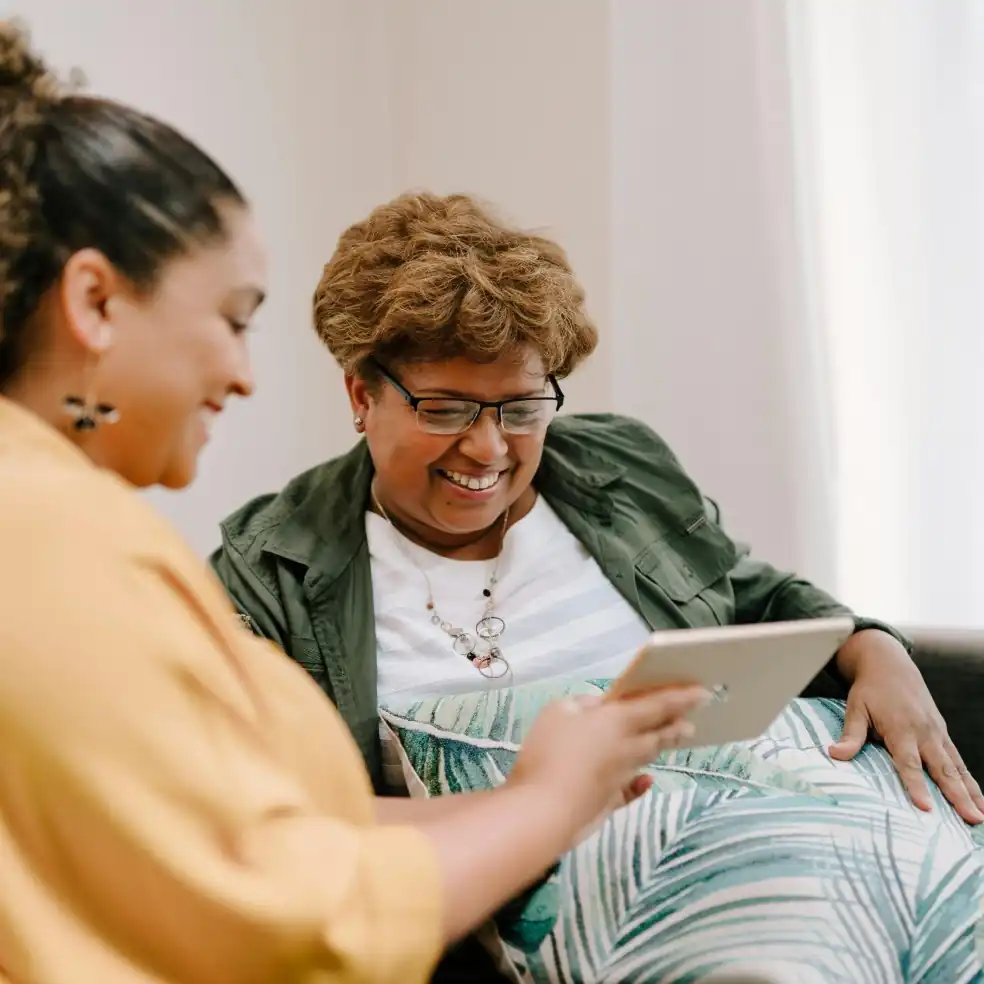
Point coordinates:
pixel 477 538
pixel 477 548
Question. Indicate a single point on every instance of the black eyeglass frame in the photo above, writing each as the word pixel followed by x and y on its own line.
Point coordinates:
pixel 482 405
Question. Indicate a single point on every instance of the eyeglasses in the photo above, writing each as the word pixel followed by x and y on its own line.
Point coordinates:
pixel 446 415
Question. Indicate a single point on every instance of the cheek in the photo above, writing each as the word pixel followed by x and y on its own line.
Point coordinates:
pixel 526 452
pixel 405 457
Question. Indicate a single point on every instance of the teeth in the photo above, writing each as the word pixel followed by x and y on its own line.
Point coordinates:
pixel 471 482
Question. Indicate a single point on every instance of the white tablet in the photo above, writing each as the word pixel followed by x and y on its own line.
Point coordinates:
pixel 753 671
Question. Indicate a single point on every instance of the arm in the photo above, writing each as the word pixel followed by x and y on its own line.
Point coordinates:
pixel 176 792
pixel 400 810
pixel 486 858
pixel 764 594
pixel 874 670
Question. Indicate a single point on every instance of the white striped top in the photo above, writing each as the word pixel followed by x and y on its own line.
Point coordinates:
pixel 563 616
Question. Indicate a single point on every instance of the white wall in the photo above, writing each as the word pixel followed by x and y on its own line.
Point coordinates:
pixel 259 90
pixel 511 101
pixel 322 109
pixel 710 341
pixel 643 133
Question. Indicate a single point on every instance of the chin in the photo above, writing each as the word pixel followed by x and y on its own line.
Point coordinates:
pixel 179 475
pixel 464 518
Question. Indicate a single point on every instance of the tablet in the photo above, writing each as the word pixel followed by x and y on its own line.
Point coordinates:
pixel 752 671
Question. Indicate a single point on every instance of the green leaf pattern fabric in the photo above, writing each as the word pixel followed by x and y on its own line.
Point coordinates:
pixel 758 862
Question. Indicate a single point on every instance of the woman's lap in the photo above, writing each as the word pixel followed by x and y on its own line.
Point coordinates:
pixel 765 859
pixel 796 868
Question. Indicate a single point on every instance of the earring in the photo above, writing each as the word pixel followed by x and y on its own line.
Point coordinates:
pixel 87 416
pixel 86 412
pixel 359 423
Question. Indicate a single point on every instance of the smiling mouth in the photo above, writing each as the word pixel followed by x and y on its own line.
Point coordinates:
pixel 471 482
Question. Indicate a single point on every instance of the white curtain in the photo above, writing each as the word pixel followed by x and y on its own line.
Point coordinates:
pixel 888 102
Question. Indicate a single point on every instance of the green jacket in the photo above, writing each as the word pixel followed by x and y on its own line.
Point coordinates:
pixel 297 563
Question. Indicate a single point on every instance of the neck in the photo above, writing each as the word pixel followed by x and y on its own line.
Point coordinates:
pixel 474 545
pixel 44 399
pixel 39 398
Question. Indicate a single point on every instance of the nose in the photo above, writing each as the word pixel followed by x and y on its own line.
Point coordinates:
pixel 484 441
pixel 243 383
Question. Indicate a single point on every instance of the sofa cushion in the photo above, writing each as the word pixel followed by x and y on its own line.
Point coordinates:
pixel 763 858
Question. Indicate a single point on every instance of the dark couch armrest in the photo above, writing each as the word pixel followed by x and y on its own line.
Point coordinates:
pixel 952 664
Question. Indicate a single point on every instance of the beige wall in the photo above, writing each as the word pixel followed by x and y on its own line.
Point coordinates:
pixel 712 345
pixel 511 101
pixel 648 135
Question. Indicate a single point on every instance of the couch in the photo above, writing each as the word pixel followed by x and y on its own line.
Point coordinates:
pixel 952 663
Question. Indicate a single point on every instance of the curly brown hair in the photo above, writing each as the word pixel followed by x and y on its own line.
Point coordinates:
pixel 426 277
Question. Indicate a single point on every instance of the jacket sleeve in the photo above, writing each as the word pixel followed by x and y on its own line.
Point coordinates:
pixel 256 602
pixel 145 796
pixel 765 594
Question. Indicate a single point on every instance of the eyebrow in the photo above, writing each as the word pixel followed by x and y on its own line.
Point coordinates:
pixel 458 395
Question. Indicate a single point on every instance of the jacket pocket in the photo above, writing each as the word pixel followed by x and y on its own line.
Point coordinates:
pixel 687 561
pixel 307 654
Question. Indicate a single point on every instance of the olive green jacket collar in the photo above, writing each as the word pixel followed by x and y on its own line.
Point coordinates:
pixel 327 528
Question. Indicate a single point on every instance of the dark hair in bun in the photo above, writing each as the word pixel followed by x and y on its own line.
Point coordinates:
pixel 81 172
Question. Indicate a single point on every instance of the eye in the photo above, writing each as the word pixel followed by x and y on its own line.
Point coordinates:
pixel 444 408
pixel 531 410
pixel 441 411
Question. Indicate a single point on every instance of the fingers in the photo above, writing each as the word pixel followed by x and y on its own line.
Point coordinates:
pixel 639 786
pixel 855 733
pixel 977 797
pixel 943 770
pixel 909 763
pixel 654 711
pixel 644 748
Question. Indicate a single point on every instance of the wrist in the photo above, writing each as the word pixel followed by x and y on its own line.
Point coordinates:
pixel 867 650
pixel 551 809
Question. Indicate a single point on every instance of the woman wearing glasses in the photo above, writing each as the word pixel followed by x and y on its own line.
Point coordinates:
pixel 475 538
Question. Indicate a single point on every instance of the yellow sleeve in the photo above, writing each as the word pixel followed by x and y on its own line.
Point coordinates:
pixel 146 798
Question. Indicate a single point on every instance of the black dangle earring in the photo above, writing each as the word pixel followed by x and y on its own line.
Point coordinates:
pixel 87 413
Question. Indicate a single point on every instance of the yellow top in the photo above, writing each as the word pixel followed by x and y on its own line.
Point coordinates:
pixel 178 801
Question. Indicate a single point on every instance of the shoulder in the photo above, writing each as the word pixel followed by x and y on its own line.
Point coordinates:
pixel 67 515
pixel 622 442
pixel 248 528
pixel 627 457
pixel 91 572
pixel 270 543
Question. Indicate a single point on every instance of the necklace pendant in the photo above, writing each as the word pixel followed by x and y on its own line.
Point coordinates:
pixel 492 664
pixel 490 627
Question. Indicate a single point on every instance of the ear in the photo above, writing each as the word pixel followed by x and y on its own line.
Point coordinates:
pixel 358 393
pixel 88 283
